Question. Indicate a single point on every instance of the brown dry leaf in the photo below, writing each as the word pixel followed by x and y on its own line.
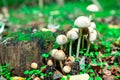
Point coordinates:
pixel 108 77
pixel 115 70
pixel 107 72
pixel 96 67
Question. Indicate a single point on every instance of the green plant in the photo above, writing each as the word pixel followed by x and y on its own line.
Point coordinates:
pixel 34 72
pixel 5 71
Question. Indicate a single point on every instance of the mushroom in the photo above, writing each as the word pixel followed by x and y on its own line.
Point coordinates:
pixel 61 39
pixel 71 58
pixel 93 25
pixel 72 35
pixel 34 65
pixel 75 29
pixel 92 38
pixel 66 69
pixel 92 8
pixel 81 22
pixel 53 52
pixel 90 29
pixel 49 63
pixel 60 56
pixel 36 78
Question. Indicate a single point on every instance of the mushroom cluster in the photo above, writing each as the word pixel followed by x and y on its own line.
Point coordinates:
pixel 82 24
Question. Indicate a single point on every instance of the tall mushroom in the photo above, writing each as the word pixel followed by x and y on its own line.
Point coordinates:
pixel 72 35
pixel 61 40
pixel 60 56
pixel 81 22
pixel 92 38
pixel 92 8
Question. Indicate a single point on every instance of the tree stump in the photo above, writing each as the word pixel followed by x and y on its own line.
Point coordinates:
pixel 22 54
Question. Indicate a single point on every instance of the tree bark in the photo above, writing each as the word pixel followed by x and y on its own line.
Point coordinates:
pixel 21 55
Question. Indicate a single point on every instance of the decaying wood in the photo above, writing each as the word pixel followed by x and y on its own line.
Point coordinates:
pixel 22 54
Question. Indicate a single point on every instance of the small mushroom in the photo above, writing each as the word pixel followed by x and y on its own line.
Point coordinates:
pixel 71 58
pixel 75 29
pixel 90 29
pixel 61 39
pixel 34 65
pixel 66 69
pixel 81 22
pixel 72 35
pixel 53 52
pixel 60 56
pixel 49 63
pixel 92 36
pixel 36 78
pixel 92 8
pixel 93 25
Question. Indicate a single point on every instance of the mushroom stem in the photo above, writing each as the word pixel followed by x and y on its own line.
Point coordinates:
pixel 70 48
pixel 83 42
pixel 61 47
pixel 88 48
pixel 90 16
pixel 79 43
pixel 61 64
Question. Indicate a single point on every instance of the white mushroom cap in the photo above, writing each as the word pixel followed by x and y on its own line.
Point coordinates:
pixel 90 29
pixel 72 35
pixel 93 25
pixel 59 55
pixel 82 22
pixel 93 36
pixel 75 29
pixel 66 69
pixel 49 63
pixel 34 65
pixel 61 39
pixel 53 52
pixel 92 8
pixel 94 32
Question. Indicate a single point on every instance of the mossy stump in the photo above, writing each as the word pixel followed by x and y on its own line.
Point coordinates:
pixel 22 54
